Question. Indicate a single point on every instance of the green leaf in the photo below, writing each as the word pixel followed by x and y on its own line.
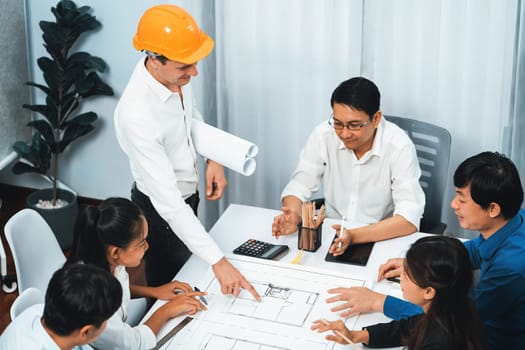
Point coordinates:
pixel 38 154
pixel 83 119
pixel 73 132
pixel 42 109
pixel 93 85
pixel 45 129
pixel 86 61
pixel 51 72
pixel 22 168
pixel 21 148
pixel 44 88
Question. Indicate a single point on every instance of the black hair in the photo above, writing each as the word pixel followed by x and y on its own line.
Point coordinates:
pixel 357 93
pixel 493 178
pixel 162 59
pixel 116 221
pixel 79 295
pixel 443 263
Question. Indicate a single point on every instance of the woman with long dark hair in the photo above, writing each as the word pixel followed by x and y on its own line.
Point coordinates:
pixel 113 236
pixel 438 277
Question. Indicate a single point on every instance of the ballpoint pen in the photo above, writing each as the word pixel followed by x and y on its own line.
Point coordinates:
pixel 338 332
pixel 341 232
pixel 201 298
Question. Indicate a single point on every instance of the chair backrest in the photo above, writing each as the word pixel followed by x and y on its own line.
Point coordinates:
pixel 28 297
pixel 35 249
pixel 433 152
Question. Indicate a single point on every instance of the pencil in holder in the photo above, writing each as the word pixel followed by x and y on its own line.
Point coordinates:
pixel 309 239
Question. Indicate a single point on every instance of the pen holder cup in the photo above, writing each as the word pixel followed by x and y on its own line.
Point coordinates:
pixel 309 239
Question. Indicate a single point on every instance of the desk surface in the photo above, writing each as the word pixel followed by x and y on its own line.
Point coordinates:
pixel 239 223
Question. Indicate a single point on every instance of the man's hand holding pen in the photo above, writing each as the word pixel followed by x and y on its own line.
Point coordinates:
pixel 342 241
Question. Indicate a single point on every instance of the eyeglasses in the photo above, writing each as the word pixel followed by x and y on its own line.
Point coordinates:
pixel 338 125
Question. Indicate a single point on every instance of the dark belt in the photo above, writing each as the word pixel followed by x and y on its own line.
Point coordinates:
pixel 192 201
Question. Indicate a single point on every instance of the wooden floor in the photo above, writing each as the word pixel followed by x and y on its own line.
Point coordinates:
pixel 13 200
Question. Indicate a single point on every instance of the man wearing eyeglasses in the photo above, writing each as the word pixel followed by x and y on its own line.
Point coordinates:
pixel 366 166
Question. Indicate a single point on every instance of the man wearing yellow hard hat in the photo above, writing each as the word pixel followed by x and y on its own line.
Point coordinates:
pixel 153 124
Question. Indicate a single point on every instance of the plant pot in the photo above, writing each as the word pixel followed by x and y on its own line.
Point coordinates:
pixel 61 220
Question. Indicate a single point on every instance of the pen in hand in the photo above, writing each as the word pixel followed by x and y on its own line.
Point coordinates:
pixel 394 279
pixel 201 298
pixel 341 232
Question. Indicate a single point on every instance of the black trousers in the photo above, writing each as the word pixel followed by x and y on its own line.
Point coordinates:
pixel 166 253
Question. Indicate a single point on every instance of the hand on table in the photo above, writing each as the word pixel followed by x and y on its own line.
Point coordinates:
pixel 341 334
pixel 215 180
pixel 285 223
pixel 231 280
pixel 392 268
pixel 168 291
pixel 356 300
pixel 186 303
pixel 342 242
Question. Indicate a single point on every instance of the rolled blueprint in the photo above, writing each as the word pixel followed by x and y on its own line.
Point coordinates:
pixel 224 148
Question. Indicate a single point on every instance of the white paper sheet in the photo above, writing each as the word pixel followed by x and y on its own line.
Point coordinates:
pixel 224 148
pixel 292 297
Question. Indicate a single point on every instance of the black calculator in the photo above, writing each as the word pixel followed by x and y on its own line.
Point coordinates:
pixel 260 249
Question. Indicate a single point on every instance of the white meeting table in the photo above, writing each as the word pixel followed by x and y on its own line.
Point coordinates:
pixel 240 222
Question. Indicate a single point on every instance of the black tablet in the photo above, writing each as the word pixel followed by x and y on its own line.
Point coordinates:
pixel 356 254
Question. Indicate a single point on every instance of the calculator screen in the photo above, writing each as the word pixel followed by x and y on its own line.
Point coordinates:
pixel 271 251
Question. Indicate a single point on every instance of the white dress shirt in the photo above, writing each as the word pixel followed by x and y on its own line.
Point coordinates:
pixel 153 129
pixel 384 182
pixel 119 335
pixel 26 332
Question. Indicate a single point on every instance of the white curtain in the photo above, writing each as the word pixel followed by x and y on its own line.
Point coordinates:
pixel 517 148
pixel 276 63
pixel 449 63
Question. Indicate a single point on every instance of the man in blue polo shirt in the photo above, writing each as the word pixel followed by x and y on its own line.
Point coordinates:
pixel 488 199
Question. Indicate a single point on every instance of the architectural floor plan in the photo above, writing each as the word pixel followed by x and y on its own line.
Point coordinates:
pixel 292 297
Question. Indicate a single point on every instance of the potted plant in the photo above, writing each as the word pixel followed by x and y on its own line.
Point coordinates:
pixel 70 78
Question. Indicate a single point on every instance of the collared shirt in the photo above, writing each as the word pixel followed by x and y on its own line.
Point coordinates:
pixel 119 335
pixel 499 295
pixel 26 332
pixel 384 182
pixel 153 128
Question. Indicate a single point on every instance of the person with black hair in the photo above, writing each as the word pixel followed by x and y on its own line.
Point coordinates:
pixel 436 276
pixel 367 167
pixel 79 301
pixel 488 198
pixel 113 236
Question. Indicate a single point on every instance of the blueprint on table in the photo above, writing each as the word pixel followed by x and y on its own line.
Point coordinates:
pixel 292 297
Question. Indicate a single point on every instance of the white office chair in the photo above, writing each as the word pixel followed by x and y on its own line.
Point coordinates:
pixel 28 297
pixel 35 249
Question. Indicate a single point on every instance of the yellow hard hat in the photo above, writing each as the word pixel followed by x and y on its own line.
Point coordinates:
pixel 170 31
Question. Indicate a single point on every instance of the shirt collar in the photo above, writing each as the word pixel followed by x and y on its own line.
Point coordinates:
pixel 160 90
pixel 488 247
pixel 47 341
